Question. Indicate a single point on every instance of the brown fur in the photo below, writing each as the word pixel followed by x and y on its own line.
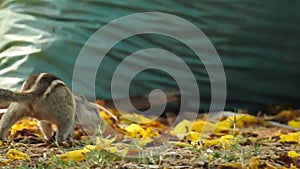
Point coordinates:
pixel 44 97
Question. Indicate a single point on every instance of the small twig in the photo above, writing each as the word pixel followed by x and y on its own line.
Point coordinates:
pixel 284 126
pixel 104 109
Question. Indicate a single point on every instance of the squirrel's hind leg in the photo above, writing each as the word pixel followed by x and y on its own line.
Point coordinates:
pixel 15 112
pixel 46 129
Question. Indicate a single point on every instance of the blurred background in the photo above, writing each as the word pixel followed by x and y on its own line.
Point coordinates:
pixel 257 41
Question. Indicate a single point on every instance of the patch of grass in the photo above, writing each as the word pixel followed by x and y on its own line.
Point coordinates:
pixel 100 158
pixel 237 151
pixel 94 159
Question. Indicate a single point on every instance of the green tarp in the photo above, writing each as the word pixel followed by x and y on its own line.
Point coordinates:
pixel 257 41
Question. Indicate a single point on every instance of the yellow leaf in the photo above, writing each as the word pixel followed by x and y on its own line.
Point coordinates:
pixel 182 128
pixel 5 161
pixel 270 166
pixel 104 115
pixel 143 142
pixel 101 142
pixel 200 126
pixel 129 118
pixel 76 155
pixel 223 127
pixel 25 123
pixel 136 131
pixel 253 163
pixel 207 127
pixel 290 137
pixel 17 155
pixel 106 144
pixel 203 126
pixel 192 137
pixel 293 154
pixel 226 141
pixel 292 166
pixel 226 124
pixel 227 138
pixel 294 123
pixel 241 119
pixel 142 136
pixel 210 143
pixel 113 149
pixel 181 144
pixel 232 165
pixel 284 114
pixel 89 147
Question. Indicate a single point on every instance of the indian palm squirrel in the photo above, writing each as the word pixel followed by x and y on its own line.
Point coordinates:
pixel 46 97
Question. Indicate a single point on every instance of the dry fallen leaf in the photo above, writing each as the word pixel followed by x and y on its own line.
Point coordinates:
pixel 14 154
pixel 26 123
pixel 293 154
pixel 243 119
pixel 137 132
pixel 294 123
pixel 290 137
pixel 77 155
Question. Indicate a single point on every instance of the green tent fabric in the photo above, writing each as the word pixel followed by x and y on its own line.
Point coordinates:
pixel 257 42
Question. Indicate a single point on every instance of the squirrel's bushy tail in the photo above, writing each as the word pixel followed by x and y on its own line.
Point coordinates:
pixel 11 96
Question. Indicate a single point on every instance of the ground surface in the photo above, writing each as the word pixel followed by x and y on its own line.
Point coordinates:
pixel 238 141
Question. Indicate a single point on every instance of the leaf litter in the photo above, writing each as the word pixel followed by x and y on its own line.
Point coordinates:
pixel 237 140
